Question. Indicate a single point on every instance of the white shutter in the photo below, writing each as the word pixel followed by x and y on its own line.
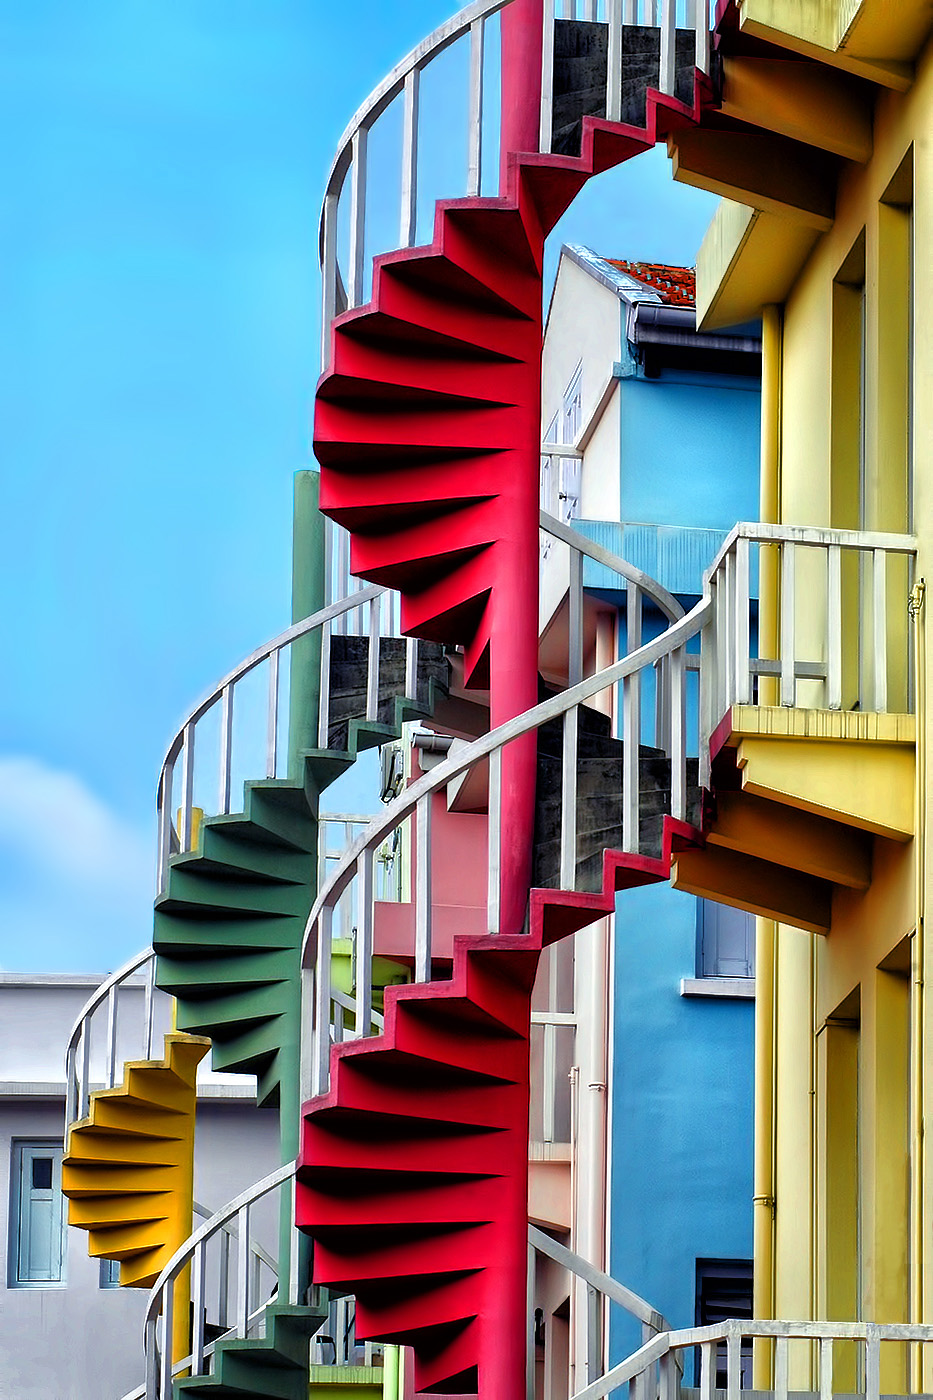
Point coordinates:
pixel 40 1253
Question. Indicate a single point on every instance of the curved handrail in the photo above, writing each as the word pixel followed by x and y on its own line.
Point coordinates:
pixel 262 653
pixel 160 1369
pixel 666 602
pixel 182 1256
pixel 676 636
pixel 372 108
pixel 77 1081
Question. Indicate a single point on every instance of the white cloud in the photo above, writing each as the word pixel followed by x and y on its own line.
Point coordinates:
pixel 76 879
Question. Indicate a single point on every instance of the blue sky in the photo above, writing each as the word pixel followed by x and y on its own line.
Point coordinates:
pixel 162 168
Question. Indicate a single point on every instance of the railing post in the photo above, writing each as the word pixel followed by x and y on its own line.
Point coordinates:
pixel 165 824
pixel 243 1280
pixel 226 748
pixel 197 1308
pixel 568 800
pixel 187 787
pixel 872 1362
pixel 85 1092
pixel 323 734
pixel 614 85
pixel 364 947
pixel 834 627
pixel 373 655
pixel 357 218
pixel 701 26
pixel 594 1338
pixel 788 624
pixel 733 1363
pixel 743 679
pixel 168 1333
pixel 575 602
pixel 423 891
pixel 329 274
pixel 322 971
pixel 678 735
pixel 880 628
pixel 409 202
pixel 272 725
pixel 111 1037
pixel 150 1004
pixel 668 63
pixel 826 1368
pixel 707 1370
pixel 780 1368
pixel 475 159
pixel 494 828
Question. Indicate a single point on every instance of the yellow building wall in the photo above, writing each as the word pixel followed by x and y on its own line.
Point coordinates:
pixel 849 1042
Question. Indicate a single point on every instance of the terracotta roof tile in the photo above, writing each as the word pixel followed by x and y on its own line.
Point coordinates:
pixel 676 286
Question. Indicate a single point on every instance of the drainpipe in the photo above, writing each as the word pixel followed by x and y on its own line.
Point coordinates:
pixel 763 1200
pixel 917 1174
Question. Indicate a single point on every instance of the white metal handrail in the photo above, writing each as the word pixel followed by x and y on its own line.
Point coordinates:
pixel 106 998
pixel 667 16
pixel 653 1369
pixel 363 613
pixel 416 801
pixel 594 1294
pixel 351 159
pixel 160 1366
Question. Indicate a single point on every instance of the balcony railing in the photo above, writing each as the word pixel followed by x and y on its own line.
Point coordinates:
pixel 838 621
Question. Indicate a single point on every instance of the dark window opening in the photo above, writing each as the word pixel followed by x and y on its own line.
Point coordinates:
pixel 724 1290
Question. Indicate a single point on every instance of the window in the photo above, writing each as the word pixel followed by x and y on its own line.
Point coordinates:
pixel 724 1290
pixel 37 1237
pixel 110 1273
pixel 725 941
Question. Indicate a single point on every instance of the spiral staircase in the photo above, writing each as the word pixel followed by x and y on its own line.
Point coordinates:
pixel 411 1146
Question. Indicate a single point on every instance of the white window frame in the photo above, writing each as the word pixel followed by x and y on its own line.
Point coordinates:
pixel 25 1217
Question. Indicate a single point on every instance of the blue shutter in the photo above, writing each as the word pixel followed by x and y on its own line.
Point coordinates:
pixel 39 1246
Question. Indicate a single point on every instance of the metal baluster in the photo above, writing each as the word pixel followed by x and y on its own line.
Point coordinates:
pixel 226 748
pixel 743 676
pixel 780 1369
pixel 364 947
pixel 152 1360
pixel 668 67
pixel 575 640
pixel 111 1037
pixel 242 1272
pixel 669 1387
pixel 826 1368
pixel 329 274
pixel 358 217
pixel 85 1095
pixel 423 895
pixel 322 972
pixel 730 621
pixel 223 1287
pixel 477 47
pixel 187 787
pixel 568 800
pixel 631 723
pixel 71 1085
pixel 165 824
pixel 168 1307
pixel 630 12
pixel 372 662
pixel 255 1280
pixel 409 213
pixel 150 1004
pixel 494 827
pixel 323 730
pixel 547 77
pixel 733 1365
pixel 411 667
pixel 707 1370
pixel 614 85
pixel 678 722
pixel 872 1363
pixel 788 624
pixel 880 627
pixel 710 713
pixel 197 1308
pixel 589 10
pixel 294 1251
pixel 834 627
pixel 272 727
pixel 594 1341
pixel 701 25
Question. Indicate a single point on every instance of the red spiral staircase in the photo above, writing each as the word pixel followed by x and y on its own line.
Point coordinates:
pixel 413 1175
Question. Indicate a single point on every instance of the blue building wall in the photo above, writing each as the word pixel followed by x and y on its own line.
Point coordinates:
pixel 682 1097
pixel 689 449
pixel 682 1067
